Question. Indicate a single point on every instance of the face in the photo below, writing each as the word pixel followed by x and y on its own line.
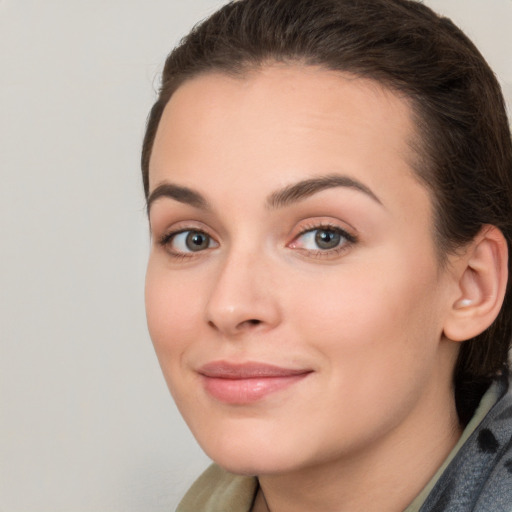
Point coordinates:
pixel 293 294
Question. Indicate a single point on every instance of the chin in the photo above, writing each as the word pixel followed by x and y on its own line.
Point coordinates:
pixel 252 455
pixel 241 464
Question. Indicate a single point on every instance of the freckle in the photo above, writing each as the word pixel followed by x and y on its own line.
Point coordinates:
pixel 508 465
pixel 487 441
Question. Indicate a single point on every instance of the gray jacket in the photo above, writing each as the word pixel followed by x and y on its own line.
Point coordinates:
pixel 479 478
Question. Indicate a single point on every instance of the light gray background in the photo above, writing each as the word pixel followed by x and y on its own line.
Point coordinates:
pixel 86 422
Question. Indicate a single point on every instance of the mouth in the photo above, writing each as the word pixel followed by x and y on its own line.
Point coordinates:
pixel 239 384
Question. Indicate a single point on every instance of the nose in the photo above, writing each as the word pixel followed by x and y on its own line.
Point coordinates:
pixel 243 297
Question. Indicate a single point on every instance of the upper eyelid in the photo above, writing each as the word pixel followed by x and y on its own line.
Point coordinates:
pixel 321 221
pixel 185 225
pixel 167 235
pixel 166 219
pixel 328 225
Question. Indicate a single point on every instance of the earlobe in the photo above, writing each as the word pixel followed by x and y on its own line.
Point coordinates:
pixel 482 280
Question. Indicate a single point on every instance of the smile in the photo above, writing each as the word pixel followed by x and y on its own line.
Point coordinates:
pixel 239 384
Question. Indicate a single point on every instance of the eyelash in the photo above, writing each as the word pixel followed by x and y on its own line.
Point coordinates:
pixel 345 244
pixel 166 239
pixel 347 241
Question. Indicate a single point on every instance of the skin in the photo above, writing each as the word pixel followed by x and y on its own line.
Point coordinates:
pixel 375 416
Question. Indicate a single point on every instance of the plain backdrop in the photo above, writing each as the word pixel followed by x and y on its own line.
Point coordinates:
pixel 86 422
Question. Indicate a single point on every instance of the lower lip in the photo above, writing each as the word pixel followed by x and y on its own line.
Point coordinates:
pixel 246 391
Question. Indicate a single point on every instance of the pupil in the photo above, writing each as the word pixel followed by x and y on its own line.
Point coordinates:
pixel 327 239
pixel 197 241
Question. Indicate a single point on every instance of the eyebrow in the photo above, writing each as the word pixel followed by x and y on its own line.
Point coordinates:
pixel 178 193
pixel 306 188
pixel 279 199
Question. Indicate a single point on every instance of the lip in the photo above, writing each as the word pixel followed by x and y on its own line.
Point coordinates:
pixel 245 383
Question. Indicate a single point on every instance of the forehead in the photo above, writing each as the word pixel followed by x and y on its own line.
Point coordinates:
pixel 278 104
pixel 282 123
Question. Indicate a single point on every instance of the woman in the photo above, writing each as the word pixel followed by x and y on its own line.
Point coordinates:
pixel 329 187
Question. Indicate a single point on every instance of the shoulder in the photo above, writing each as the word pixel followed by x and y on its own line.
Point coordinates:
pixel 480 476
pixel 218 490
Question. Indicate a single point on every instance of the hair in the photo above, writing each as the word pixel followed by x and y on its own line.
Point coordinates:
pixel 464 154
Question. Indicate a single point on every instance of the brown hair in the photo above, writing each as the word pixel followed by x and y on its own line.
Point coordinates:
pixel 465 153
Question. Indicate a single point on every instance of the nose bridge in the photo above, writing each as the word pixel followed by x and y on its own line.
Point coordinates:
pixel 241 297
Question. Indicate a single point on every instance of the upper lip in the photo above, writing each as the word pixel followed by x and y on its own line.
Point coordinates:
pixel 248 370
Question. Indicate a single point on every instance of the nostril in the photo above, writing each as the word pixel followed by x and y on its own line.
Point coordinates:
pixel 247 324
pixel 241 325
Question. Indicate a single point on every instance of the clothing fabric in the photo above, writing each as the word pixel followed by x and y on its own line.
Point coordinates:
pixel 479 478
pixel 216 490
pixel 475 477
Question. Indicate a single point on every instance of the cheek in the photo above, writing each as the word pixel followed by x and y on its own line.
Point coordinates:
pixel 379 313
pixel 377 342
pixel 171 311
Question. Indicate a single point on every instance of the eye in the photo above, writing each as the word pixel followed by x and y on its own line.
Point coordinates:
pixel 188 241
pixel 323 239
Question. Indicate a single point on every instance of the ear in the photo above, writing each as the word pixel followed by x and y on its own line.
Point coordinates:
pixel 482 272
